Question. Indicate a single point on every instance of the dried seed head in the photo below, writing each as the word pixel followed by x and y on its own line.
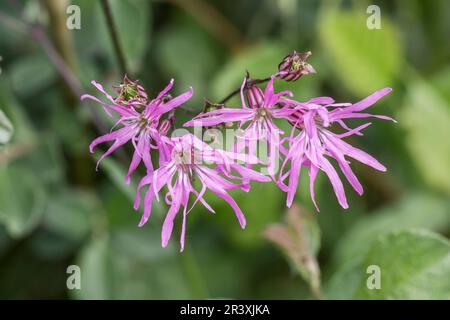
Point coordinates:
pixel 294 66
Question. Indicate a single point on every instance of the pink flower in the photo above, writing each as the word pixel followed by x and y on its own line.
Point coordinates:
pixel 140 123
pixel 315 144
pixel 188 157
pixel 256 119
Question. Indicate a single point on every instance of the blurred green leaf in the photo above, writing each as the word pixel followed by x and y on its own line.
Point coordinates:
pixel 426 118
pixel 69 213
pixel 130 264
pixel 441 82
pixel 5 241
pixel 414 211
pixel 23 128
pixel 179 50
pixel 299 239
pixel 94 266
pixel 6 129
pixel 31 74
pixel 364 60
pixel 258 213
pixel 413 265
pixel 67 222
pixel 116 173
pixel 261 61
pixel 23 200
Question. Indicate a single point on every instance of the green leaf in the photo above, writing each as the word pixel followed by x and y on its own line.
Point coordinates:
pixel 261 61
pixel 130 264
pixel 257 213
pixel 413 263
pixel 414 211
pixel 22 198
pixel 426 118
pixel 6 129
pixel 23 129
pixel 68 213
pixel 413 266
pixel 364 60
pixel 93 263
pixel 116 173
pixel 179 49
pixel 66 224
pixel 299 239
pixel 441 82
pixel 31 74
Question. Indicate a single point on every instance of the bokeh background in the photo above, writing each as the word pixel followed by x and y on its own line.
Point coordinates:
pixel 56 210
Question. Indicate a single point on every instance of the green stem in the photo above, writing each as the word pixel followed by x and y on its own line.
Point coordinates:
pixel 193 274
pixel 114 36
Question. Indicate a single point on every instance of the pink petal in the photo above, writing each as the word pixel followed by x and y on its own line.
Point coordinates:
pixel 173 103
pixel 166 89
pixel 313 170
pixel 356 153
pixel 148 199
pixel 336 182
pixel 370 100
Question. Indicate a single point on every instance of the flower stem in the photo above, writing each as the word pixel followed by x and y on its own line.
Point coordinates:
pixel 193 274
pixel 114 36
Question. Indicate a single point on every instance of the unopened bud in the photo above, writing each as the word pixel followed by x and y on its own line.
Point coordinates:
pixel 294 66
pixel 255 97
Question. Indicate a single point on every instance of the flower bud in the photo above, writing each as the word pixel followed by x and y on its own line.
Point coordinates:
pixel 255 97
pixel 294 66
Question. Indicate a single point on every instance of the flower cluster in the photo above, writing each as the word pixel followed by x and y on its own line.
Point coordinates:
pixel 309 145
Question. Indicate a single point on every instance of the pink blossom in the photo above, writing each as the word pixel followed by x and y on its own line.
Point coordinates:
pixel 315 143
pixel 256 119
pixel 189 159
pixel 139 123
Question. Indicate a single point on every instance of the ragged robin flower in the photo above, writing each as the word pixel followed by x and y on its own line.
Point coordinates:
pixel 256 119
pixel 139 125
pixel 192 159
pixel 312 147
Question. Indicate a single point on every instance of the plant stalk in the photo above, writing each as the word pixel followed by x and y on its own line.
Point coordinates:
pixel 114 36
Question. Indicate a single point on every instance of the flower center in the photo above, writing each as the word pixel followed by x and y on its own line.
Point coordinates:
pixel 262 113
pixel 186 157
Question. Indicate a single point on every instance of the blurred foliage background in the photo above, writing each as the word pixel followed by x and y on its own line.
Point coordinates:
pixel 55 210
